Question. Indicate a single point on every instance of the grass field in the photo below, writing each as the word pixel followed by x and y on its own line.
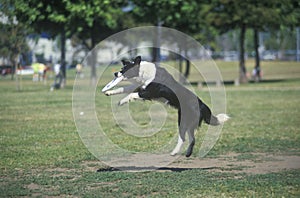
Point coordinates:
pixel 257 154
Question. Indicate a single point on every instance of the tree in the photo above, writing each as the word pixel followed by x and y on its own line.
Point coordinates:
pixel 257 14
pixel 186 17
pixel 151 12
pixel 229 14
pixel 271 15
pixel 89 20
pixel 50 16
pixel 94 21
pixel 12 35
pixel 181 15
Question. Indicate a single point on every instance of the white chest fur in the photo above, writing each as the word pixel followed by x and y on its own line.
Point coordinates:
pixel 146 73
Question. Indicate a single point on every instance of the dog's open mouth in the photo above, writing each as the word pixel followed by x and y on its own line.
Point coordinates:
pixel 112 83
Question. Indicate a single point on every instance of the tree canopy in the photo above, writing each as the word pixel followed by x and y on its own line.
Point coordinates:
pixel 12 34
pixel 92 21
pixel 257 14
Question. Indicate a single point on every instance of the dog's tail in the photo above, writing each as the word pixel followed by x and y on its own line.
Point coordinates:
pixel 218 119
pixel 209 118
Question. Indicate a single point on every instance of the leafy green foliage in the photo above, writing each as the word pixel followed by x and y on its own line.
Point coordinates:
pixel 182 15
pixel 229 14
pixel 12 34
pixel 226 15
pixel 50 16
pixel 94 19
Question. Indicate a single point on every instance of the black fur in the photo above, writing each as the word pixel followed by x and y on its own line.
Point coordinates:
pixel 191 110
pixel 131 68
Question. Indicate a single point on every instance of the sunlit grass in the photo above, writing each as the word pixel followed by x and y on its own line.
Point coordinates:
pixel 39 136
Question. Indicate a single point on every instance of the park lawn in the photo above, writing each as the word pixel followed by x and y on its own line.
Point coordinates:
pixel 43 155
pixel 271 70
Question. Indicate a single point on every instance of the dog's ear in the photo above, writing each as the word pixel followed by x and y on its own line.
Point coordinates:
pixel 124 62
pixel 137 60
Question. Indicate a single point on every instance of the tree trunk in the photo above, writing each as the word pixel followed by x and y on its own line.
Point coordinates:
pixel 156 43
pixel 13 69
pixel 15 62
pixel 180 60
pixel 256 73
pixel 93 56
pixel 187 61
pixel 155 54
pixel 63 57
pixel 242 67
pixel 187 69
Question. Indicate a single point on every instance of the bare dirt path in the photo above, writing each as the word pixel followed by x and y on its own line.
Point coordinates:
pixel 250 163
pixel 254 163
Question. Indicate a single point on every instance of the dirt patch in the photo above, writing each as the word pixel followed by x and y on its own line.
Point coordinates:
pixel 93 166
pixel 61 172
pixel 258 163
pixel 33 186
pixel 249 163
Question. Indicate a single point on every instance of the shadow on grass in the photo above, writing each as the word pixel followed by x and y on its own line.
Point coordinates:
pixel 231 82
pixel 152 168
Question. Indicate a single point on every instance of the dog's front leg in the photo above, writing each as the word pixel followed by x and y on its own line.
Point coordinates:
pixel 115 91
pixel 127 89
pixel 129 98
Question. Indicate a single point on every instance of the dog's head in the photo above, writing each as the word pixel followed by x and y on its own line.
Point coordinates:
pixel 129 70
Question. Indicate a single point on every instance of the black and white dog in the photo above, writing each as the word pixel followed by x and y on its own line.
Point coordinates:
pixel 151 82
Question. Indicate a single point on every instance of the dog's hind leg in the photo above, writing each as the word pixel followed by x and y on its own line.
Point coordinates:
pixel 192 143
pixel 181 136
pixel 178 146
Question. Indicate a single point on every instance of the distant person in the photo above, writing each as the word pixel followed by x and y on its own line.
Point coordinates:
pixel 256 74
pixel 79 69
pixel 47 67
pixel 41 72
pixel 58 77
pixel 3 72
pixel 35 67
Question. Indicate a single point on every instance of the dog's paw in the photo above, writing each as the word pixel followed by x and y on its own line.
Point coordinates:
pixel 188 154
pixel 173 153
pixel 122 102
pixel 108 93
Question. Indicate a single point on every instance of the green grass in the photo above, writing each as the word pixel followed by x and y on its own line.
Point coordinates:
pixel 266 121
pixel 270 70
pixel 190 183
pixel 43 155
